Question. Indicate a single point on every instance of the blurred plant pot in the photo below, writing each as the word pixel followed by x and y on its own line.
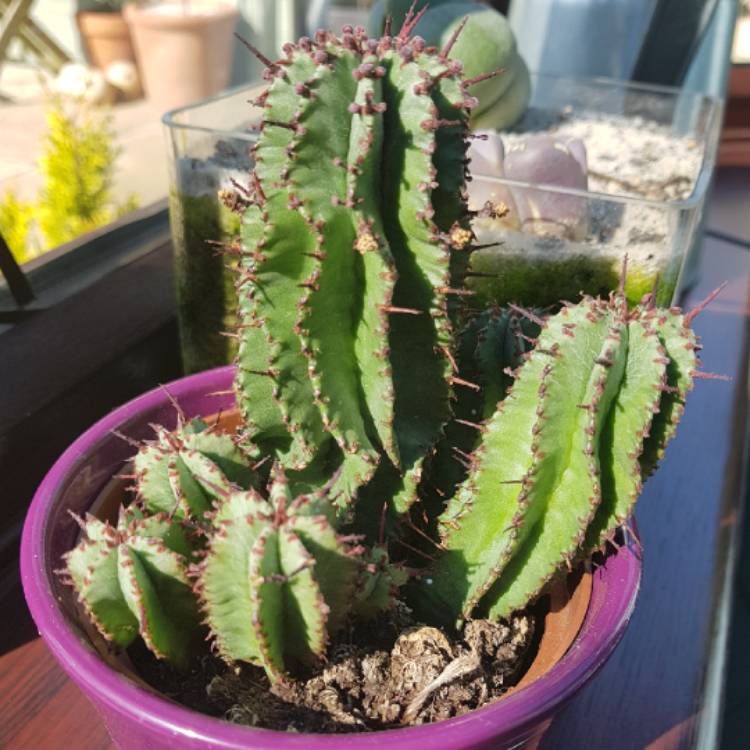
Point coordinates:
pixel 105 38
pixel 587 617
pixel 183 49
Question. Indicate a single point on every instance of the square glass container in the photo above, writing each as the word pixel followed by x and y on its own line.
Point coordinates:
pixel 209 151
pixel 650 157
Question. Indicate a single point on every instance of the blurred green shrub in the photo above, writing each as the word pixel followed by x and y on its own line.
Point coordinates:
pixel 16 220
pixel 77 167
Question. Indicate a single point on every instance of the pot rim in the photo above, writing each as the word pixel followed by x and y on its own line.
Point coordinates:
pixel 144 16
pixel 615 588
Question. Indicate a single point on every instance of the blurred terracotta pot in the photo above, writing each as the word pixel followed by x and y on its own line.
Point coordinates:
pixel 184 50
pixel 105 38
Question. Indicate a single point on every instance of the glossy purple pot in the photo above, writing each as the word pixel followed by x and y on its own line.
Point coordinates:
pixel 140 719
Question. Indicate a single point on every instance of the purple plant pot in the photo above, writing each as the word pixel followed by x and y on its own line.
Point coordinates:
pixel 139 718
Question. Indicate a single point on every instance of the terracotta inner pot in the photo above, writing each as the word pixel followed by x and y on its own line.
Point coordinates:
pixel 183 56
pixel 105 38
pixel 569 598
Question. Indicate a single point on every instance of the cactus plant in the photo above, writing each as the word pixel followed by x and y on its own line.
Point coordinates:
pixel 345 292
pixel 276 578
pixel 132 580
pixel 353 382
pixel 500 503
pixel 181 471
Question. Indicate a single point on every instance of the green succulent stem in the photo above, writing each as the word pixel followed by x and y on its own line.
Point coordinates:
pixel 561 461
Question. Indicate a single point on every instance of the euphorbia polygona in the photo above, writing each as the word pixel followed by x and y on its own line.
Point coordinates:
pixel 373 392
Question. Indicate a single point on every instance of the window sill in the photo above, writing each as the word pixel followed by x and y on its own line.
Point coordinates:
pixel 101 330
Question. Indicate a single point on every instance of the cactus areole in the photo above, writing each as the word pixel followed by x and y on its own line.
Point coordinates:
pixel 395 448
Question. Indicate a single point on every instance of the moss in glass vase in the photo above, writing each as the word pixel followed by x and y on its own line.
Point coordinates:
pixel 206 298
pixel 540 280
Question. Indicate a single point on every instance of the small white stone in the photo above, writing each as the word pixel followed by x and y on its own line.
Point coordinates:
pixel 77 81
pixel 123 75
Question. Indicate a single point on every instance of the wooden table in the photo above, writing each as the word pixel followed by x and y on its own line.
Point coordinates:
pixel 662 688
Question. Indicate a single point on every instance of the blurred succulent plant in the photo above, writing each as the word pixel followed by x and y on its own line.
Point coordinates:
pixel 536 159
pixel 485 47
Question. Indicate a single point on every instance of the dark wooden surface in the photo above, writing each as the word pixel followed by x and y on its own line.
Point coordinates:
pixel 728 213
pixel 660 689
pixel 42 708
pixel 71 340
pixel 735 137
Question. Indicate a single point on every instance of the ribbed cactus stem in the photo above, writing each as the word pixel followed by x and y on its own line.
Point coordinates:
pixel 378 584
pixel 500 338
pixel 561 462
pixel 679 345
pixel 132 580
pixel 346 266
pixel 181 471
pixel 276 578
